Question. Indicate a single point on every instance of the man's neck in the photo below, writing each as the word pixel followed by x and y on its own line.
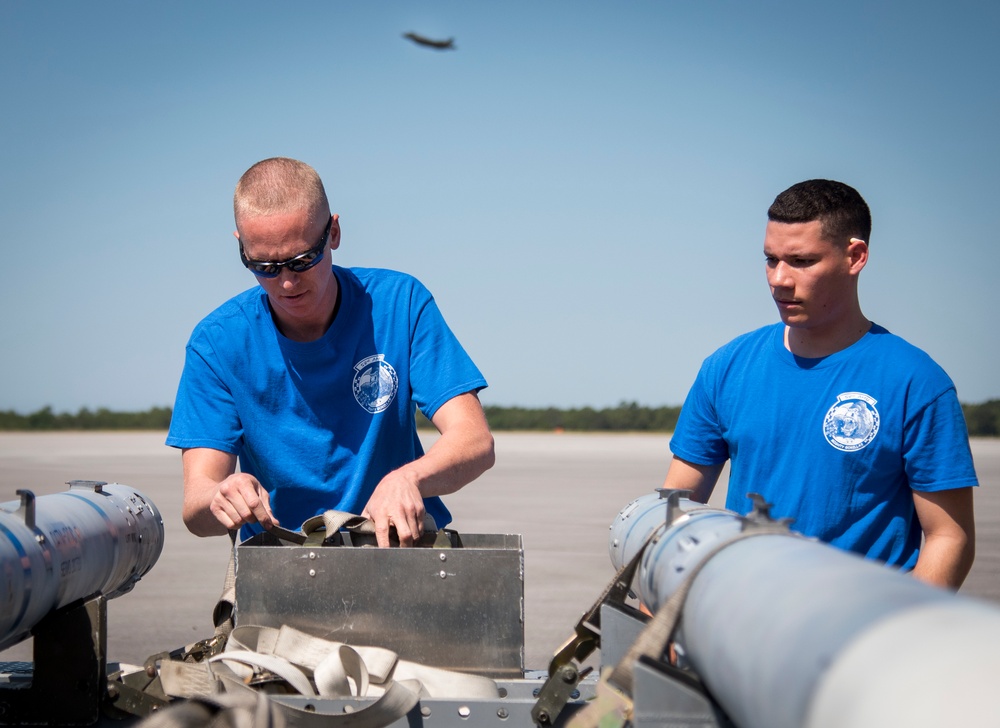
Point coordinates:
pixel 302 331
pixel 815 344
pixel 305 331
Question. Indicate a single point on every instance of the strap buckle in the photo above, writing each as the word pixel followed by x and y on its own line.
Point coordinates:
pixel 610 708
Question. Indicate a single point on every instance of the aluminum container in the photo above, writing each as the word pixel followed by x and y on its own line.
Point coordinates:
pixel 459 608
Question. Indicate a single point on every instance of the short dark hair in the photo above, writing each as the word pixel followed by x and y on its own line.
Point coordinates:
pixel 842 211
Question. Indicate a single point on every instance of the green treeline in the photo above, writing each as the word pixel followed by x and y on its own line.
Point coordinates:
pixel 983 419
pixel 626 417
pixel 157 418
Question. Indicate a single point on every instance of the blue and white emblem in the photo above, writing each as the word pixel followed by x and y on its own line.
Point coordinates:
pixel 852 422
pixel 375 383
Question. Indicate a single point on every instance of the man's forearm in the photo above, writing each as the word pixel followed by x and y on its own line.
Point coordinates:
pixel 197 513
pixel 699 479
pixel 453 461
pixel 949 527
pixel 216 498
pixel 462 453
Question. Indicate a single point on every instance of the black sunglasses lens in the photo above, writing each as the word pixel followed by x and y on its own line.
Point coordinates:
pixel 306 262
pixel 297 265
pixel 266 271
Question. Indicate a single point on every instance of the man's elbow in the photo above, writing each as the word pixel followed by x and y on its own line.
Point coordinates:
pixel 193 524
pixel 968 558
pixel 479 453
pixel 962 543
pixel 965 549
pixel 946 561
pixel 487 452
pixel 201 523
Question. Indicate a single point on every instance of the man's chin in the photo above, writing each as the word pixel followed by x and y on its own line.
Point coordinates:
pixel 794 320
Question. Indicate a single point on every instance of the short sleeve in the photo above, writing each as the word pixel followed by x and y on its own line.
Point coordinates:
pixel 204 413
pixel 440 368
pixel 936 452
pixel 698 436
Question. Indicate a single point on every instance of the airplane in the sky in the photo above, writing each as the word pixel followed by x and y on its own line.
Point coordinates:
pixel 441 45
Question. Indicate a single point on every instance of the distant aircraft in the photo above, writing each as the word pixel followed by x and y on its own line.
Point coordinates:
pixel 441 45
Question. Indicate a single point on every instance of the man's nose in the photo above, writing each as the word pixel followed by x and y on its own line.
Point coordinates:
pixel 287 277
pixel 779 275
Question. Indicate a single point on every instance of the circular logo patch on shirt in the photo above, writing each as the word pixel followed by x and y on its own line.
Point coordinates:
pixel 852 422
pixel 375 383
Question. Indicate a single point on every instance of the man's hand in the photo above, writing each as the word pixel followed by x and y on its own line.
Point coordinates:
pixel 217 499
pixel 396 502
pixel 241 499
pixel 462 453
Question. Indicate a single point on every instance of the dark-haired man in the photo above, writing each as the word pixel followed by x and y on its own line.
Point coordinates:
pixel 842 426
pixel 310 381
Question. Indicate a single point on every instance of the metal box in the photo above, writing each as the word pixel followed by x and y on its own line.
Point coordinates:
pixel 458 608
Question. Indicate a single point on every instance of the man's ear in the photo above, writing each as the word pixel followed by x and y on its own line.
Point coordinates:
pixel 236 234
pixel 334 232
pixel 857 251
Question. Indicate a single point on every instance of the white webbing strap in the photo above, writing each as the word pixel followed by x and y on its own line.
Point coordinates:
pixel 225 607
pixel 320 668
pixel 401 697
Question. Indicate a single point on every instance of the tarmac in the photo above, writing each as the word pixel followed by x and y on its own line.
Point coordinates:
pixel 560 492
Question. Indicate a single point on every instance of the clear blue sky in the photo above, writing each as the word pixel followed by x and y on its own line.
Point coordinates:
pixel 583 185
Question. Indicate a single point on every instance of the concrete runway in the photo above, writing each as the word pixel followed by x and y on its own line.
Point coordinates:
pixel 560 492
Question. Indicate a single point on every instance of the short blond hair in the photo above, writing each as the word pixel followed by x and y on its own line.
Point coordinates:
pixel 279 185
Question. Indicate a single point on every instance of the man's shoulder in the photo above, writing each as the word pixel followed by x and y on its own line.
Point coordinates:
pixel 750 341
pixel 235 313
pixel 383 282
pixel 380 277
pixel 894 349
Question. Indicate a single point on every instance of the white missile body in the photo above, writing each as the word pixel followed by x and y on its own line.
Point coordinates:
pixel 94 539
pixel 788 632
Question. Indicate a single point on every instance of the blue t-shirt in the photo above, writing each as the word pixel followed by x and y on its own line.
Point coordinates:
pixel 837 443
pixel 320 423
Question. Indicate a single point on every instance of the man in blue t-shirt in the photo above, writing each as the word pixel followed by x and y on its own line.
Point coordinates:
pixel 310 381
pixel 847 429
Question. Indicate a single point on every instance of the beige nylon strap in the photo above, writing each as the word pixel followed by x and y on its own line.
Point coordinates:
pixel 244 709
pixel 381 665
pixel 337 670
pixel 302 661
pixel 186 679
pixel 225 607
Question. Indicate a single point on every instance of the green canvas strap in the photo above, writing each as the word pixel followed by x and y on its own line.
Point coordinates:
pixel 324 530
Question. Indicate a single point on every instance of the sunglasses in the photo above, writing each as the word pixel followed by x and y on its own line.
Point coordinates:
pixel 298 264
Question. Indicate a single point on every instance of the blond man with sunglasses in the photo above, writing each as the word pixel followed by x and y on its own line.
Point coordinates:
pixel 309 382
